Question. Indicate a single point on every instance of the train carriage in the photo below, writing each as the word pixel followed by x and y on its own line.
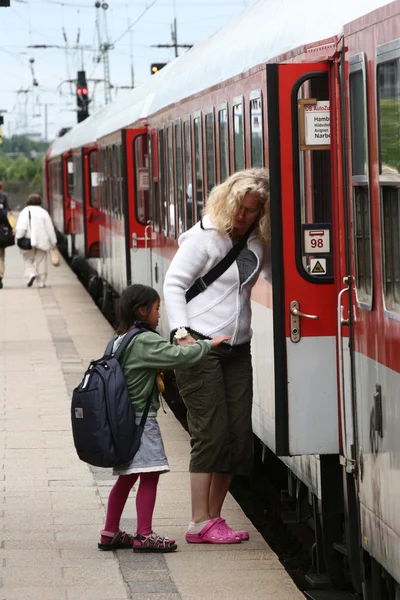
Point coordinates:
pixel 317 105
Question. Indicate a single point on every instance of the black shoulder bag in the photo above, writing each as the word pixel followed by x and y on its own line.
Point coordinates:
pixel 202 283
pixel 25 242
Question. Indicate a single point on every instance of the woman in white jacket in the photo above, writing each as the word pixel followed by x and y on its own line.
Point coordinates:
pixel 218 391
pixel 35 223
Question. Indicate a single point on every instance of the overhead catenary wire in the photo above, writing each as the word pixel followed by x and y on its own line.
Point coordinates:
pixel 135 22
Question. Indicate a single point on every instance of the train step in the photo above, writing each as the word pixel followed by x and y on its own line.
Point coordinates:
pixel 342 548
pixel 319 581
pixel 330 595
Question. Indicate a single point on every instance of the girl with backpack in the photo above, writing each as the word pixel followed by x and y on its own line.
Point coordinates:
pixel 141 362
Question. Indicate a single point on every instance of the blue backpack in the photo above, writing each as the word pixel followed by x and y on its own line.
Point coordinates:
pixel 103 417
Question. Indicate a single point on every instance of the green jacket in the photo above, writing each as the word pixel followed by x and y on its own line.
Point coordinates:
pixel 149 352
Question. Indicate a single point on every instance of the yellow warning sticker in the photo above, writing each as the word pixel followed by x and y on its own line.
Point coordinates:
pixel 318 266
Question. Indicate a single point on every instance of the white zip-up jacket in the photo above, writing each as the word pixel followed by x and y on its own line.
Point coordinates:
pixel 39 227
pixel 224 308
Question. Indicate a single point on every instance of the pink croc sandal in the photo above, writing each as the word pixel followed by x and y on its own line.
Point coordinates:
pixel 244 535
pixel 215 532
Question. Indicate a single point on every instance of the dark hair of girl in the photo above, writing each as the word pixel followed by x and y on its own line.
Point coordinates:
pixel 134 297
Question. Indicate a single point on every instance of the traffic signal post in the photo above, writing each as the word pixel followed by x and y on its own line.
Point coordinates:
pixel 82 96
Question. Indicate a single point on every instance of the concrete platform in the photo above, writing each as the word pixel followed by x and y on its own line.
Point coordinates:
pixel 53 506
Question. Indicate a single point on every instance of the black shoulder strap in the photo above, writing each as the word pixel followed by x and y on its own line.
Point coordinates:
pixel 147 407
pixel 128 337
pixel 202 283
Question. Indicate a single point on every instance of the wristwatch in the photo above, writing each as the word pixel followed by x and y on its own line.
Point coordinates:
pixel 181 333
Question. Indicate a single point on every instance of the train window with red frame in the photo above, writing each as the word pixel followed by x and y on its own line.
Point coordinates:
pixel 94 178
pixel 155 199
pixel 78 178
pixel 162 180
pixel 388 84
pixel 223 135
pixel 238 134
pixel 70 176
pixel 210 149
pixel 101 178
pixel 187 157
pixel 114 180
pixel 179 179
pixel 256 129
pixel 171 182
pixel 119 180
pixel 312 179
pixel 141 159
pixel 198 163
pixel 360 180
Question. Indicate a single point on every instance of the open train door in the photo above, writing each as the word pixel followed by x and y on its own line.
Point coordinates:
pixel 300 121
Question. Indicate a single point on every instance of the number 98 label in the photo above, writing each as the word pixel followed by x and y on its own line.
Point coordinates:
pixel 316 240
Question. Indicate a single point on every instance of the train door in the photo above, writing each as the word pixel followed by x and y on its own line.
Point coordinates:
pixel 137 157
pixel 91 203
pixel 304 298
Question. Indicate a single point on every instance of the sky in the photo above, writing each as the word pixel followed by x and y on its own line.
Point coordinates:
pixel 132 27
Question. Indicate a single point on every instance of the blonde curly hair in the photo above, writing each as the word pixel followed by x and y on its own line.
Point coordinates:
pixel 224 201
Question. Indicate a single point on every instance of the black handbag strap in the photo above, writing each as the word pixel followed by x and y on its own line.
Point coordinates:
pixel 202 283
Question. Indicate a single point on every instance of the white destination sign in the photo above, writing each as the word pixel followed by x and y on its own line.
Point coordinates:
pixel 317 124
pixel 317 241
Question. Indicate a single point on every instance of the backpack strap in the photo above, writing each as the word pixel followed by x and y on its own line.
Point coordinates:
pixel 202 283
pixel 147 407
pixel 128 337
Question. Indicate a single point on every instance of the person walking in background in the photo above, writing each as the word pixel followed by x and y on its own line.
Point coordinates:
pixel 35 229
pixel 7 225
pixel 218 392
pixel 146 354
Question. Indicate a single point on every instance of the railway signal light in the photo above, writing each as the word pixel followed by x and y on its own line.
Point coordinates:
pixel 156 67
pixel 82 96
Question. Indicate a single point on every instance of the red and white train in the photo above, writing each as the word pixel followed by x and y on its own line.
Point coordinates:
pixel 311 92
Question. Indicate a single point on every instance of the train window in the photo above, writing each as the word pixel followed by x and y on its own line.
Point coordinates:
pixel 171 186
pixel 198 164
pixel 121 178
pixel 162 180
pixel 223 134
pixel 179 178
pixel 113 179
pixel 360 180
pixel 94 178
pixel 141 178
pixel 210 149
pixel 77 180
pixel 388 83
pixel 256 129
pixel 70 176
pixel 187 152
pixel 238 134
pixel 312 178
pixel 155 200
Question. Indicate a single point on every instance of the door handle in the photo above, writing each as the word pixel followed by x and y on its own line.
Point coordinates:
pixel 348 460
pixel 295 314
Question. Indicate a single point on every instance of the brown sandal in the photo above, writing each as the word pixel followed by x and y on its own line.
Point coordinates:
pixel 153 543
pixel 118 541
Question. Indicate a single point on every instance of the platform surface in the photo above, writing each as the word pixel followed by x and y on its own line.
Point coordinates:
pixel 53 505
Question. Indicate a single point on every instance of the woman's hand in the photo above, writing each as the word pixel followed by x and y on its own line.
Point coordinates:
pixel 219 340
pixel 186 341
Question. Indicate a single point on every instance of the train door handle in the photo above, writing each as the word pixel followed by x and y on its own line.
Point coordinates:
pixel 295 314
pixel 156 272
pixel 294 310
pixel 347 460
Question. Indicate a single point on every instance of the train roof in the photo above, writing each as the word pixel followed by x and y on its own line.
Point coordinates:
pixel 266 30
